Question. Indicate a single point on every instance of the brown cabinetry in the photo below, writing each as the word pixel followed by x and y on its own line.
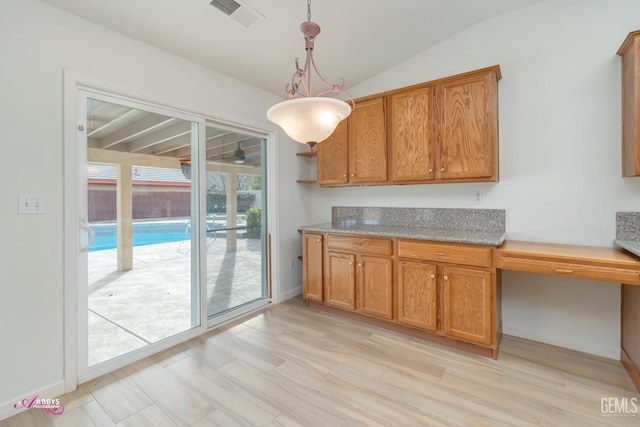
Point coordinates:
pixel 447 292
pixel 357 151
pixel 412 135
pixel 359 275
pixel 468 308
pixel 630 53
pixel 440 131
pixel 450 289
pixel 468 127
pixel 312 249
pixel 418 294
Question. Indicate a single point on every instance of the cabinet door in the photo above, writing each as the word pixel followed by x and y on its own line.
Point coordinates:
pixel 368 142
pixel 417 295
pixel 468 127
pixel 340 280
pixel 333 160
pixel 312 267
pixel 468 310
pixel 411 135
pixel 375 283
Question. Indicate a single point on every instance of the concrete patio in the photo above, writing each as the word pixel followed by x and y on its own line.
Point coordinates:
pixel 130 309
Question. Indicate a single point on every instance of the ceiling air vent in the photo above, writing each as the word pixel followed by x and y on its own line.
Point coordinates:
pixel 240 12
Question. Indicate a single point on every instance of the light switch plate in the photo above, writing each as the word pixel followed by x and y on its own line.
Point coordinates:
pixel 31 204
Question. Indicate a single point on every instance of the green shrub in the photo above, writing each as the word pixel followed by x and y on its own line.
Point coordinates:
pixel 254 223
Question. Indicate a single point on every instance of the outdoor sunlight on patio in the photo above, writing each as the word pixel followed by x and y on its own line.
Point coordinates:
pixel 130 309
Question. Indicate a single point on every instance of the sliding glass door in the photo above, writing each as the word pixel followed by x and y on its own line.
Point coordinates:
pixel 172 213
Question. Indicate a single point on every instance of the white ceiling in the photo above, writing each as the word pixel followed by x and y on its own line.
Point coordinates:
pixel 359 38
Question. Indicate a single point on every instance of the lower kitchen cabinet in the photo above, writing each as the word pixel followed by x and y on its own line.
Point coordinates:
pixel 418 295
pixel 457 281
pixel 359 275
pixel 340 284
pixel 375 281
pixel 312 249
pixel 441 291
pixel 468 309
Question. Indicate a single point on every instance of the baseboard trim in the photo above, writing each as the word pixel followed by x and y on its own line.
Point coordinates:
pixel 561 340
pixel 290 294
pixel 51 391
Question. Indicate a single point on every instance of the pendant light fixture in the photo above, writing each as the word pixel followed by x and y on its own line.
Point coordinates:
pixel 305 117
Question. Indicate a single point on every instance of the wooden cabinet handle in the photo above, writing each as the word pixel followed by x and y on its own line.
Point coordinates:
pixel 350 263
pixel 446 277
pixel 353 174
pixel 318 240
pixel 430 170
pixel 442 169
pixel 562 270
pixel 359 264
pixel 433 276
pixel 344 176
pixel 440 253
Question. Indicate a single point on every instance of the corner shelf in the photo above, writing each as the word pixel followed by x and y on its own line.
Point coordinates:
pixel 308 155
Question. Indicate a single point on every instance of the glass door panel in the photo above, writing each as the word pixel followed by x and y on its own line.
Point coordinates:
pixel 236 250
pixel 140 285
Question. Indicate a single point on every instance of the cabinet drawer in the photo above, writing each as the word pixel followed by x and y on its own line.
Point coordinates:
pixel 456 254
pixel 367 245
pixel 606 274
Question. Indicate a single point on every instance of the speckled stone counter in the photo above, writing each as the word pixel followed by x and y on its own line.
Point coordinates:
pixel 472 226
pixel 628 231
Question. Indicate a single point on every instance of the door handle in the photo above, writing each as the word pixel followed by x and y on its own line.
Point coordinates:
pixel 90 237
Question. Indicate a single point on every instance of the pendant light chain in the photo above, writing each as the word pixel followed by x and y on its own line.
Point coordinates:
pixel 308 10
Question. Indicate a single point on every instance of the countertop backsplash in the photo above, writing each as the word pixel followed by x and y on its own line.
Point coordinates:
pixel 492 220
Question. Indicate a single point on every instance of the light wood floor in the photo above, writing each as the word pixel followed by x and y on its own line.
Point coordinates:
pixel 291 366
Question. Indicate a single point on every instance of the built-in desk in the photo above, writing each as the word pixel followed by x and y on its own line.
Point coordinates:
pixel 587 262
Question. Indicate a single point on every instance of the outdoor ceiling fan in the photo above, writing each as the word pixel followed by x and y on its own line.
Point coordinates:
pixel 238 155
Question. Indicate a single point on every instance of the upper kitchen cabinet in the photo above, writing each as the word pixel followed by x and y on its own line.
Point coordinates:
pixel 468 126
pixel 445 130
pixel 356 152
pixel 333 157
pixel 412 133
pixel 630 53
pixel 368 142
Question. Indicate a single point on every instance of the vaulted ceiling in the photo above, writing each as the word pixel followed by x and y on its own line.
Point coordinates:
pixel 359 38
pixel 257 41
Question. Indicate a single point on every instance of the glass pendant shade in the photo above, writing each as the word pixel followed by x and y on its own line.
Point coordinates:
pixel 309 120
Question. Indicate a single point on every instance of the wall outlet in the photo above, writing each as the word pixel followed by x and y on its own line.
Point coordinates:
pixel 31 204
pixel 477 197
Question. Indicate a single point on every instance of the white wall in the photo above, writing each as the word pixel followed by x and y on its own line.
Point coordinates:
pixel 37 42
pixel 559 154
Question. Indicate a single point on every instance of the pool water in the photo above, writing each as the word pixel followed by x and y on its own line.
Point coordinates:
pixel 139 239
pixel 145 233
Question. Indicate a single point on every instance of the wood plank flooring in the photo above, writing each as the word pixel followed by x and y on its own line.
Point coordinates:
pixel 291 366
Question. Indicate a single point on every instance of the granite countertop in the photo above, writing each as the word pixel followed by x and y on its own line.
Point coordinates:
pixel 632 246
pixel 628 231
pixel 476 237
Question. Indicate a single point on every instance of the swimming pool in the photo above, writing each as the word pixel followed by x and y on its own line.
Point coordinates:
pixel 144 233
